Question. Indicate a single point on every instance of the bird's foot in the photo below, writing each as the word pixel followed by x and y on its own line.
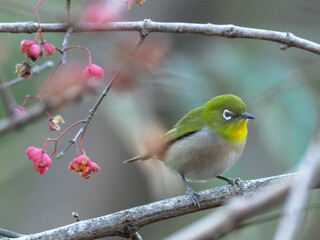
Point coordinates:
pixel 231 181
pixel 193 196
pixel 191 193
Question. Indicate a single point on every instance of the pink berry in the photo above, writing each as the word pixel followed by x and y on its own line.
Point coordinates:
pixel 93 71
pixel 41 160
pixel 25 45
pixel 48 49
pixel 84 166
pixel 34 52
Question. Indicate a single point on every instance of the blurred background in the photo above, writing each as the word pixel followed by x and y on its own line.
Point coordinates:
pixel 169 76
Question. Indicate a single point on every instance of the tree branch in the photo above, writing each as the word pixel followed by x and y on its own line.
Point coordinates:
pixel 16 122
pixel 36 69
pixel 229 31
pixel 8 99
pixel 37 110
pixel 104 93
pixel 218 224
pixel 126 222
pixel 298 193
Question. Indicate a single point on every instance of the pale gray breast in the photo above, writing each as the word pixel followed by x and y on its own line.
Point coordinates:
pixel 203 155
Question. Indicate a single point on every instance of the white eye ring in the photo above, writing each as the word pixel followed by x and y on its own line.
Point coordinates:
pixel 226 114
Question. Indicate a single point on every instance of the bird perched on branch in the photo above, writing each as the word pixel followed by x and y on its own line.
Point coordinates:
pixel 206 142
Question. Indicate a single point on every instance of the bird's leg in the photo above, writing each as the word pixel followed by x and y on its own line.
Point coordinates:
pixel 191 193
pixel 231 181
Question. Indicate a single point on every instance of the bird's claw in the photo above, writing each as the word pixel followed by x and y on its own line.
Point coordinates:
pixel 234 182
pixel 191 193
pixel 193 196
pixel 231 181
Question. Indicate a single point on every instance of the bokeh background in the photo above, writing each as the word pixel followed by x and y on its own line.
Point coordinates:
pixel 170 75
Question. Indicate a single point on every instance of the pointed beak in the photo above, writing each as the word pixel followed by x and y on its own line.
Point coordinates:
pixel 247 115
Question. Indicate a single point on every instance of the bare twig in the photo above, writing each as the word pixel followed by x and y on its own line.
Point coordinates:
pixel 298 194
pixel 127 222
pixel 34 112
pixel 69 11
pixel 37 110
pixel 93 110
pixel 64 44
pixel 229 31
pixel 8 99
pixel 149 26
pixel 69 31
pixel 269 216
pixel 36 69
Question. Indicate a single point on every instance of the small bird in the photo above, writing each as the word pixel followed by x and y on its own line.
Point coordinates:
pixel 206 142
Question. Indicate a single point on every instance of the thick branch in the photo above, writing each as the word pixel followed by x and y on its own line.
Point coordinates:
pixel 229 31
pixel 127 222
pixel 36 111
pixel 8 124
pixel 298 194
pixel 218 224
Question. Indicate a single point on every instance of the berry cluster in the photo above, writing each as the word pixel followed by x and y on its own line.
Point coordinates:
pixel 35 49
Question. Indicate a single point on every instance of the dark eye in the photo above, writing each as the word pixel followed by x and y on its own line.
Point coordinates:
pixel 226 114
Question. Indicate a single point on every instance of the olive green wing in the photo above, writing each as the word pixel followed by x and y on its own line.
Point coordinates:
pixel 189 124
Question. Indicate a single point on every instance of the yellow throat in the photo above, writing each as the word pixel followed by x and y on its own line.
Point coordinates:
pixel 236 132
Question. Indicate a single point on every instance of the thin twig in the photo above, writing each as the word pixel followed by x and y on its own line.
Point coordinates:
pixel 69 11
pixel 299 191
pixel 270 216
pixel 34 112
pixel 67 36
pixel 228 30
pixel 37 111
pixel 64 44
pixel 36 69
pixel 8 99
pixel 127 222
pixel 93 110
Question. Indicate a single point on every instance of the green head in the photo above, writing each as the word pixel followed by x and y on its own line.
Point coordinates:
pixel 227 115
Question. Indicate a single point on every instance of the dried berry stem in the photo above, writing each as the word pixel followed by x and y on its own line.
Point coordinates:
pixel 55 140
pixel 27 98
pixel 81 47
pixel 49 78
pixel 81 140
pixel 104 93
pixel 35 9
